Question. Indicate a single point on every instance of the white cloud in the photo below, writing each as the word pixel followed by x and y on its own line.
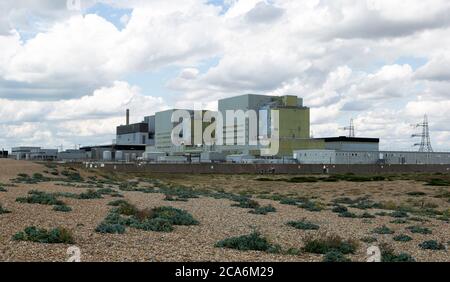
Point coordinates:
pixel 437 69
pixel 89 117
pixel 346 58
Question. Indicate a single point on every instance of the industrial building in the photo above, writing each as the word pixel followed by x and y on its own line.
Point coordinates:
pixel 294 123
pixel 114 152
pixel 151 139
pixel 72 155
pixel 332 157
pixel 142 133
pixel 34 153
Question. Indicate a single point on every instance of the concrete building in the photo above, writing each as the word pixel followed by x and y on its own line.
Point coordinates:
pixel 343 143
pixel 331 157
pixel 34 153
pixel 141 133
pixel 163 134
pixel 114 152
pixel 72 155
pixel 294 123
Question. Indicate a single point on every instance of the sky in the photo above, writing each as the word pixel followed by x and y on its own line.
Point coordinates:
pixel 69 69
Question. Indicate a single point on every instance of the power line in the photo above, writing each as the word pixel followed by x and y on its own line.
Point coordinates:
pixel 425 142
pixel 350 128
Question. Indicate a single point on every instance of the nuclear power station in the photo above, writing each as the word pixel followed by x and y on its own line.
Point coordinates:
pixel 151 139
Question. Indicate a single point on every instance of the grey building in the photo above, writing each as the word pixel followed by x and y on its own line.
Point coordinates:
pixel 72 155
pixel 34 153
pixel 369 157
pixel 142 133
pixel 114 152
pixel 343 143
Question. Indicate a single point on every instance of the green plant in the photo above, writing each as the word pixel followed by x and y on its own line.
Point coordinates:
pixel 117 203
pixel 25 178
pixel 247 203
pixel 312 206
pixel 348 214
pixel 368 239
pixel 55 236
pixel 254 241
pixel 367 215
pixel 90 194
pixel 402 257
pixel 431 245
pixel 110 228
pixel 402 238
pixel 335 256
pixel 37 197
pixel 263 210
pixel 302 180
pixel 339 209
pixel 437 182
pixel 289 201
pixel 171 198
pixel 345 200
pixel 72 176
pixel 327 243
pixel 383 230
pixel 159 219
pixel 416 193
pixel 152 224
pixel 126 208
pixel 3 189
pixel 399 221
pixel 388 255
pixel 303 225
pixel 174 216
pixel 3 210
pixel 62 208
pixel 419 229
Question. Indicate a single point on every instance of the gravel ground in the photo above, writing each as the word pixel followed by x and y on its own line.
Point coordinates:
pixel 218 220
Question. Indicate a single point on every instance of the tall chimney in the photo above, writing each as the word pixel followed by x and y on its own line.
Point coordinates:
pixel 128 117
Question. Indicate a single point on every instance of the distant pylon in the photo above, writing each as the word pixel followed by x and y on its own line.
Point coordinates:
pixel 425 143
pixel 350 128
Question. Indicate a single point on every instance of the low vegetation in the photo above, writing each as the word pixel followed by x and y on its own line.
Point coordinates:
pixel 419 229
pixel 432 245
pixel 55 236
pixel 26 179
pixel 324 243
pixel 388 255
pixel 368 240
pixel 263 210
pixel 312 206
pixel 335 256
pixel 161 219
pixel 42 198
pixel 62 208
pixel 402 238
pixel 383 230
pixel 303 225
pixel 438 182
pixel 3 210
pixel 252 242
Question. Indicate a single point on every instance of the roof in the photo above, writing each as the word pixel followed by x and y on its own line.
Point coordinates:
pixel 350 139
pixel 116 147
